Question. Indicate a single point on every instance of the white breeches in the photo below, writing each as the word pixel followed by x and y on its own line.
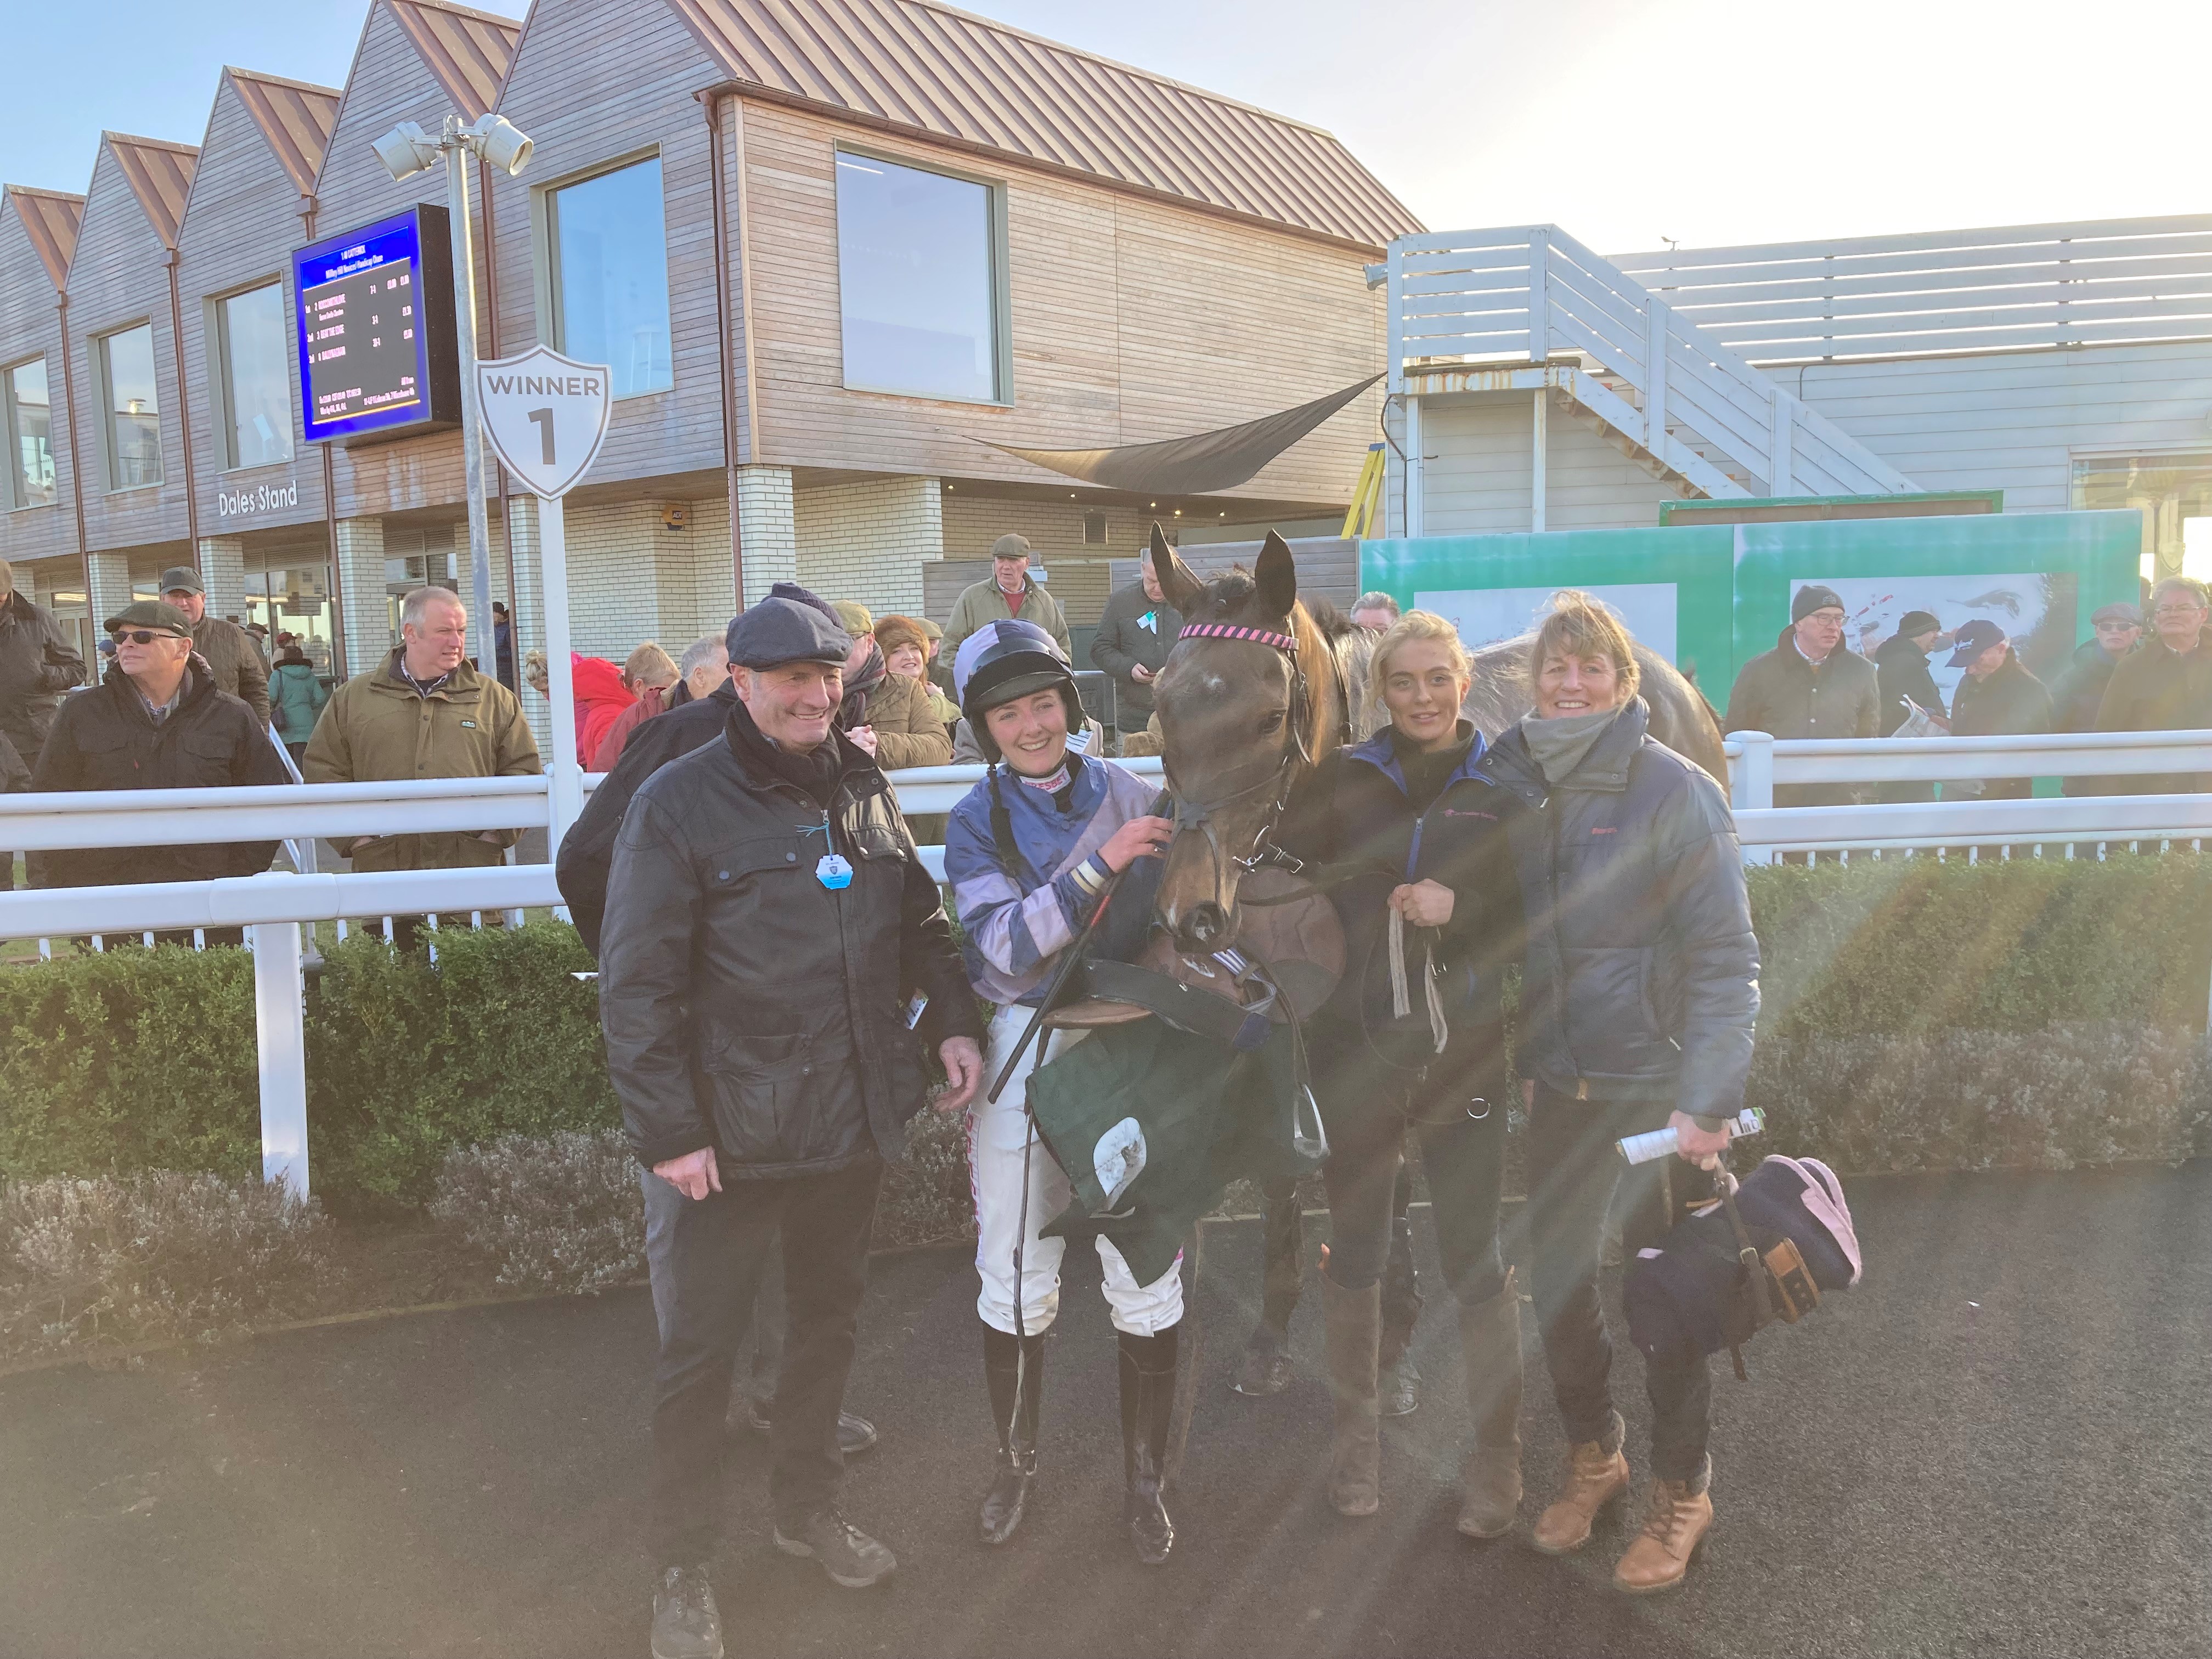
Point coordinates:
pixel 995 1137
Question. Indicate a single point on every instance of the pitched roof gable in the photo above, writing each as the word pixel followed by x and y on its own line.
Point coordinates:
pixel 49 218
pixel 470 52
pixel 296 117
pixel 160 174
pixel 954 75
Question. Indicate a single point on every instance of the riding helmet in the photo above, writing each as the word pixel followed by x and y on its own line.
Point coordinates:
pixel 1006 660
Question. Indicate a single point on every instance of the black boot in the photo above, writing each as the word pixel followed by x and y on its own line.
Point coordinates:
pixel 1266 1367
pixel 1148 1382
pixel 1397 1381
pixel 1013 1368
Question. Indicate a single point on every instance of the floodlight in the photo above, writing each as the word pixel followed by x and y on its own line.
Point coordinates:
pixel 406 150
pixel 496 139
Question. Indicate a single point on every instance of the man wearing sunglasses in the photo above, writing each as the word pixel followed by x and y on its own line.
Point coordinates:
pixel 156 720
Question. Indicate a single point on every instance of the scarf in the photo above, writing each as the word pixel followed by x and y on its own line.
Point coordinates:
pixel 1560 745
pixel 853 708
pixel 815 771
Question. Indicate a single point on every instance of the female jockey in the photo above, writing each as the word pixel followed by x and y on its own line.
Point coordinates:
pixel 1027 852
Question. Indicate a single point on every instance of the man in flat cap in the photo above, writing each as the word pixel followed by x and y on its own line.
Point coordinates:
pixel 1808 686
pixel 228 650
pixel 156 720
pixel 1009 590
pixel 774 960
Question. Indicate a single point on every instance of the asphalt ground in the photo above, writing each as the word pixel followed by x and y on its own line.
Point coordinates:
pixel 2000 1445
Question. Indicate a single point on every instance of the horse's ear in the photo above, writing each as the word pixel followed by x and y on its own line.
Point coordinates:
pixel 1277 575
pixel 1181 589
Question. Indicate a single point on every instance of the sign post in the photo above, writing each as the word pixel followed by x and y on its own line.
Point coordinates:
pixel 546 415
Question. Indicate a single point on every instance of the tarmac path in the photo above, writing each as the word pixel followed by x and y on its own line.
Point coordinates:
pixel 2000 1445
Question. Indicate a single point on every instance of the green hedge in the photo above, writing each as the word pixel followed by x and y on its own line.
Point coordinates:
pixel 138 1060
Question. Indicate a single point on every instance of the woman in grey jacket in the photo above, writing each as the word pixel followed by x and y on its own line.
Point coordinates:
pixel 1639 993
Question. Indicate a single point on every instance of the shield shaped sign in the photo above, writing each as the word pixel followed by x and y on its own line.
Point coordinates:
pixel 546 415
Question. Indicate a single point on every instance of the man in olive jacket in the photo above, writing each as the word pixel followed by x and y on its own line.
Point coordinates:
pixel 228 650
pixel 1808 686
pixel 423 712
pixel 2165 684
pixel 770 938
pixel 1008 591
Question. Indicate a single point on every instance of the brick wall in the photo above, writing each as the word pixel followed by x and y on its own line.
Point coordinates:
pixel 868 541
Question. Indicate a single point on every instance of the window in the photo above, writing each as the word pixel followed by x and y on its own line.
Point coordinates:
pixel 2173 491
pixel 919 275
pixel 134 427
pixel 254 362
pixel 29 415
pixel 610 276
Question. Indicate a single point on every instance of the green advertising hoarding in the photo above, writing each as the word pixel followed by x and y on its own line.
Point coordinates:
pixel 1713 597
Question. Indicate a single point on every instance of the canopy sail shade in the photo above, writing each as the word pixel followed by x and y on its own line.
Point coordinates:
pixel 1198 464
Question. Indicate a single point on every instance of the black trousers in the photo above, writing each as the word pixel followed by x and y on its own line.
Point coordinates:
pixel 1459 1112
pixel 1573 1169
pixel 706 1257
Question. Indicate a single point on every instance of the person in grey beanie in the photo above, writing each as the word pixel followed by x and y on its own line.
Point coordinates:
pixel 1808 686
pixel 775 959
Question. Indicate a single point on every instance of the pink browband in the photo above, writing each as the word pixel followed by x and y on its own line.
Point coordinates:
pixel 1282 642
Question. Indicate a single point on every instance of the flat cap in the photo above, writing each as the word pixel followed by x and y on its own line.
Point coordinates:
pixel 853 616
pixel 153 614
pixel 2126 615
pixel 930 627
pixel 1011 546
pixel 182 577
pixel 789 625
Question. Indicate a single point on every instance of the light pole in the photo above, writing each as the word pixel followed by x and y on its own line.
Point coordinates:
pixel 405 151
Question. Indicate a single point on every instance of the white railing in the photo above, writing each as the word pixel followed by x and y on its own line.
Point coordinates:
pixel 1524 293
pixel 2016 288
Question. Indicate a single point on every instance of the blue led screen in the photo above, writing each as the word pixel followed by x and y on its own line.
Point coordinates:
pixel 364 300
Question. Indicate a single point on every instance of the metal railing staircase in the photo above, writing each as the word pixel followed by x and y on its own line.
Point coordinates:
pixel 1529 308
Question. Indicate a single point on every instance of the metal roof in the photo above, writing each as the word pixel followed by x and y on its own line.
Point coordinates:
pixel 160 174
pixel 953 76
pixel 49 218
pixel 469 52
pixel 296 117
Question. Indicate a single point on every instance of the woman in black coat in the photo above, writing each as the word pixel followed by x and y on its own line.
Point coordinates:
pixel 1411 803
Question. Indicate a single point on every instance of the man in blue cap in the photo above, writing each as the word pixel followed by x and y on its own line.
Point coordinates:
pixel 773 959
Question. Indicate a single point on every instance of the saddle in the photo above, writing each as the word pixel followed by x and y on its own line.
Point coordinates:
pixel 1288 956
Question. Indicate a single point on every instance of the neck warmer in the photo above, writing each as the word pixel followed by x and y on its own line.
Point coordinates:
pixel 816 770
pixel 1560 745
pixel 852 708
pixel 1425 774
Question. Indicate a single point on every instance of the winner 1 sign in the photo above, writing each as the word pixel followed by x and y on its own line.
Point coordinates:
pixel 545 416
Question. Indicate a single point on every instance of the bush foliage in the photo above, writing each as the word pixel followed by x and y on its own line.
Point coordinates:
pixel 561 1213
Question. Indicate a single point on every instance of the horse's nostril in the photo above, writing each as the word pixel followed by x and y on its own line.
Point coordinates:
pixel 1206 923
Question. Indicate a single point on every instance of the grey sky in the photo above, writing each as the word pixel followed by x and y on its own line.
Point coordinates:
pixel 1708 121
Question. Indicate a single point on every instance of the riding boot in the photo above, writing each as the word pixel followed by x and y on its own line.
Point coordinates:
pixel 1148 1386
pixel 1397 1381
pixel 1490 1342
pixel 1013 1370
pixel 1355 1320
pixel 1266 1367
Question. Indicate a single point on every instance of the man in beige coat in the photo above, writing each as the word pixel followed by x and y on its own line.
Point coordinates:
pixel 1008 591
pixel 423 712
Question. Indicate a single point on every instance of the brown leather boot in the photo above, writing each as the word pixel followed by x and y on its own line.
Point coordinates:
pixel 1355 1331
pixel 1676 1523
pixel 1595 1477
pixel 1490 1344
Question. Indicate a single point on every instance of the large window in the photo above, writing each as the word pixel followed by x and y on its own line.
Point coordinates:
pixel 919 278
pixel 30 417
pixel 253 355
pixel 134 427
pixel 610 276
pixel 2174 493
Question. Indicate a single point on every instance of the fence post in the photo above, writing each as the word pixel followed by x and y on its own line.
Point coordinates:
pixel 280 1021
pixel 1752 781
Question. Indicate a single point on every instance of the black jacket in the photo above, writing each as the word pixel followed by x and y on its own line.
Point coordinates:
pixel 1640 979
pixel 1122 643
pixel 588 850
pixel 1901 672
pixel 104 738
pixel 747 1006
pixel 36 667
pixel 2079 690
pixel 2010 701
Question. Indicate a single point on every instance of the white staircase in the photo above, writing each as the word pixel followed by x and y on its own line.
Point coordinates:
pixel 1529 308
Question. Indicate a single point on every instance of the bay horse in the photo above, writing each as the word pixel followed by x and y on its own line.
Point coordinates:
pixel 1262 685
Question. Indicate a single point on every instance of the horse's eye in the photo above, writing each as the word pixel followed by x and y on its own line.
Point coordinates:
pixel 1271 723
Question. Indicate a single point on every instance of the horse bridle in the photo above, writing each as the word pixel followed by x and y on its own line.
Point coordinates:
pixel 1198 815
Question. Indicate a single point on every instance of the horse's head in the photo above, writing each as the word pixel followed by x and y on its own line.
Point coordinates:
pixel 1244 700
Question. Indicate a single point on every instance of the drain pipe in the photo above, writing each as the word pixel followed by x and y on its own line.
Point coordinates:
pixel 77 467
pixel 184 410
pixel 711 101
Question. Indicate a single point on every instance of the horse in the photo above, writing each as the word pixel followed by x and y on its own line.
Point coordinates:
pixel 1263 685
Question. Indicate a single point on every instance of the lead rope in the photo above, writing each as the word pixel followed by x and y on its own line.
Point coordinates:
pixel 1402 1000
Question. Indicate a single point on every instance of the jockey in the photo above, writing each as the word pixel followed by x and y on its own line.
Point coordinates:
pixel 1027 853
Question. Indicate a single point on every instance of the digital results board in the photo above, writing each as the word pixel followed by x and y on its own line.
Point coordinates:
pixel 375 324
